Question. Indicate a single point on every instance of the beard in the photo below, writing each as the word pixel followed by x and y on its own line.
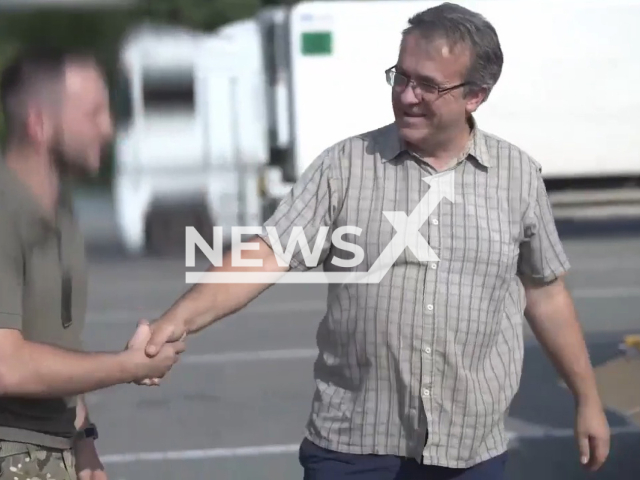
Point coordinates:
pixel 68 164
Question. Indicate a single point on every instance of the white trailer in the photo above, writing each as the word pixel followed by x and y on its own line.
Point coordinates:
pixel 312 74
pixel 563 94
pixel 189 149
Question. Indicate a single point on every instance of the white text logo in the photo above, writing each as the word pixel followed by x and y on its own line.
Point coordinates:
pixel 407 235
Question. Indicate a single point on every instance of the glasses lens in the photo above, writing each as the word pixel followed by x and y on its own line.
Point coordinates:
pixel 390 78
pixel 396 80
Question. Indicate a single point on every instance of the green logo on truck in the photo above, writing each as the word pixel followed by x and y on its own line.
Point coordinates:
pixel 316 43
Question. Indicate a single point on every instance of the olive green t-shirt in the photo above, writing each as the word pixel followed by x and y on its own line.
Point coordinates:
pixel 43 294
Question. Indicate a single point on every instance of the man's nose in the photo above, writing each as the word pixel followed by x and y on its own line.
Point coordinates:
pixel 108 128
pixel 408 95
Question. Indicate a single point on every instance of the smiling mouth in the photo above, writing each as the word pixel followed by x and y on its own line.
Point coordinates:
pixel 413 117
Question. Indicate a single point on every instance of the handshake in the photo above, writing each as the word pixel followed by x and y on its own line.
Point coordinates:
pixel 153 350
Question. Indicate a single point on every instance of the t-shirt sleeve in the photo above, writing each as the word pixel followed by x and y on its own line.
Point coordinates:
pixel 11 277
pixel 302 225
pixel 542 256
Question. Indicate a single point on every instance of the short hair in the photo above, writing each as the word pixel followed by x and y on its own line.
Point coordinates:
pixel 459 25
pixel 33 73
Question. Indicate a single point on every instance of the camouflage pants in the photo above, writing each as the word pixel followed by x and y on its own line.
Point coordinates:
pixel 19 461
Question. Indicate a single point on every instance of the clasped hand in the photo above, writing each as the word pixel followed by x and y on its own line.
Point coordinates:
pixel 154 350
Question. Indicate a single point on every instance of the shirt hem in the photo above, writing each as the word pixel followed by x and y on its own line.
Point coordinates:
pixel 18 435
pixel 421 458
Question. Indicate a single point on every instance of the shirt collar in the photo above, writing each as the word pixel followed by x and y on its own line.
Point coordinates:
pixel 33 223
pixel 391 145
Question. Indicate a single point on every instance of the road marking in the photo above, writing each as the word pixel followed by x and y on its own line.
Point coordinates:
pixel 133 315
pixel 228 357
pixel 259 451
pixel 611 292
pixel 318 307
pixel 603 265
pixel 200 454
pixel 565 433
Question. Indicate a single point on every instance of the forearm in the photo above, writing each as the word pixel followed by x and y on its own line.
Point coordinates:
pixel 42 371
pixel 84 448
pixel 207 303
pixel 553 320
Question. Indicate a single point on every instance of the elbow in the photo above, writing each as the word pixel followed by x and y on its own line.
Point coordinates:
pixel 16 360
pixel 16 381
pixel 12 369
pixel 8 378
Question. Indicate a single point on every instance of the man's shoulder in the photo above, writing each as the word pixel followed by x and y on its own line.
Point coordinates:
pixel 376 139
pixel 12 194
pixel 507 154
pixel 364 145
pixel 384 132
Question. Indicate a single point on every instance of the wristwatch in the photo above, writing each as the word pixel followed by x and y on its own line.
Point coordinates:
pixel 91 431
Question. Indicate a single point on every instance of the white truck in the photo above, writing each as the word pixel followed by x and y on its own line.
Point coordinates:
pixel 311 74
pixel 190 135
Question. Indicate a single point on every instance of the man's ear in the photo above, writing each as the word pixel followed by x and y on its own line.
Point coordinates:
pixel 38 125
pixel 475 96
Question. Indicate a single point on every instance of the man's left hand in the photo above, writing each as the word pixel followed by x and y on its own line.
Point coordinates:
pixel 592 434
pixel 88 464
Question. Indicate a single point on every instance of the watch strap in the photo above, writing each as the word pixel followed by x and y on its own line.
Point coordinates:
pixel 90 431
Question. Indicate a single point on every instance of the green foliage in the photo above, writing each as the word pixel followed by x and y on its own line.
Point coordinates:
pixel 203 15
pixel 101 31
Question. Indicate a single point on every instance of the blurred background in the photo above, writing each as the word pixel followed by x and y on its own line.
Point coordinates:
pixel 221 104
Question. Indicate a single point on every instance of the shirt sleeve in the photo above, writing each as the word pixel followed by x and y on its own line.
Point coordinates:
pixel 304 219
pixel 11 277
pixel 542 257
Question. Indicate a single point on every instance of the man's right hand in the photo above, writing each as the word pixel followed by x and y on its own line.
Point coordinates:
pixel 157 366
pixel 163 331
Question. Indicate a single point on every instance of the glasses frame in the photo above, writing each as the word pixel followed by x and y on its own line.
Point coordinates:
pixel 436 90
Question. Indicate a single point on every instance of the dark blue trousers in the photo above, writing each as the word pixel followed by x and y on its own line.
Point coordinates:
pixel 322 464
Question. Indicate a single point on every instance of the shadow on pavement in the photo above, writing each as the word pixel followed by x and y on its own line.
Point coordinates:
pixel 542 401
pixel 616 228
pixel 557 459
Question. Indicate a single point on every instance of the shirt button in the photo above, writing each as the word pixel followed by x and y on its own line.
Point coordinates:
pixel 435 221
pixel 429 307
pixel 434 266
pixel 427 350
pixel 425 392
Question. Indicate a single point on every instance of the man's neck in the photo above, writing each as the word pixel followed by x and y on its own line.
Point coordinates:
pixel 38 173
pixel 445 152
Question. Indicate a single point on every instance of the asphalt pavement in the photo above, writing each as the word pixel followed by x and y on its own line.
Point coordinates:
pixel 236 405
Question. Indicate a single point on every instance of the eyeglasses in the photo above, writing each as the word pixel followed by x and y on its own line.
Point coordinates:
pixel 422 90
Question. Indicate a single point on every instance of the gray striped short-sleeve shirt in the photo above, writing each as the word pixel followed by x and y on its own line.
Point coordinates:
pixel 424 363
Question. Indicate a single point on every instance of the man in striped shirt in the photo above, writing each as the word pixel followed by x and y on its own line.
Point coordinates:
pixel 416 372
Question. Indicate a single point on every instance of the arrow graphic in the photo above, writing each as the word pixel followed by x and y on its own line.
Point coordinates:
pixel 408 229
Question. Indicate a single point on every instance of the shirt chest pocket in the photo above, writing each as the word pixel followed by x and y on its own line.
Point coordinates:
pixel 482 238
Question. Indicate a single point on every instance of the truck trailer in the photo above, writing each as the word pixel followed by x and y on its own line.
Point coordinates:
pixel 308 75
